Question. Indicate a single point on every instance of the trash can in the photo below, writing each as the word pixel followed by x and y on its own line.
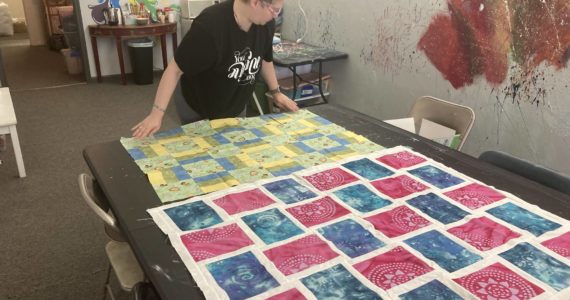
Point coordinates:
pixel 72 61
pixel 140 51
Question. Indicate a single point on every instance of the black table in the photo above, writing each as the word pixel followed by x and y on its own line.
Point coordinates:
pixel 130 193
pixel 291 55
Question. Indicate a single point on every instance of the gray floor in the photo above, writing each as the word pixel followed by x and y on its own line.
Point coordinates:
pixel 36 67
pixel 18 39
pixel 51 244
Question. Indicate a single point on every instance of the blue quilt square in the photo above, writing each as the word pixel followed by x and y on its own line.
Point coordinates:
pixel 180 173
pixel 432 290
pixel 194 215
pixel 322 120
pixel 368 169
pixel 361 198
pixel 242 276
pixel 443 251
pixel 136 153
pixel 438 208
pixel 523 219
pixel 351 238
pixel 272 226
pixel 220 138
pixel 338 139
pixel 169 133
pixel 337 283
pixel 436 176
pixel 289 191
pixel 539 265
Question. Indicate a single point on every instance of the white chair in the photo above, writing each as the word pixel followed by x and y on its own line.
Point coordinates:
pixel 8 126
pixel 121 257
pixel 449 114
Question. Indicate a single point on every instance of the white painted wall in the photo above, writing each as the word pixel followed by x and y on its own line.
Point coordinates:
pixel 16 8
pixel 385 73
pixel 35 20
pixel 108 56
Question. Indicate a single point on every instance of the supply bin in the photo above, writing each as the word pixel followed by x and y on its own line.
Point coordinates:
pixel 140 51
pixel 72 61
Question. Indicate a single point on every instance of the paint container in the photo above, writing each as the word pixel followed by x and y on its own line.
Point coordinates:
pixel 171 16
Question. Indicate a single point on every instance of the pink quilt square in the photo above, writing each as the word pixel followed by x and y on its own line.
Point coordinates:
pixel 398 187
pixel 498 282
pixel 292 294
pixel 475 195
pixel 212 242
pixel 392 268
pixel 400 160
pixel 244 201
pixel 483 234
pixel 301 254
pixel 318 211
pixel 330 179
pixel 397 221
pixel 560 245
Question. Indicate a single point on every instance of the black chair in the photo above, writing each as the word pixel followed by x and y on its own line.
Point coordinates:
pixel 145 291
pixel 537 173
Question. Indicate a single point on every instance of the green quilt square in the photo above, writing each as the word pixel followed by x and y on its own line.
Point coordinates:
pixel 277 140
pixel 239 136
pixel 178 190
pixel 132 143
pixel 156 163
pixel 203 168
pixel 267 155
pixel 321 142
pixel 253 122
pixel 250 174
pixel 365 147
pixel 225 150
pixel 180 146
pixel 200 128
pixel 312 159
pixel 293 126
pixel 330 129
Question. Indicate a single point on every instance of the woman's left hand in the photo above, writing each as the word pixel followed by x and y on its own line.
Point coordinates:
pixel 284 103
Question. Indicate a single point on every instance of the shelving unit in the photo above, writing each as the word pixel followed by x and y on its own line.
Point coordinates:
pixel 301 94
pixel 54 23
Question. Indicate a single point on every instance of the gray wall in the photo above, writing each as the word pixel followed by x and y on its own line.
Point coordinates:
pixel 386 72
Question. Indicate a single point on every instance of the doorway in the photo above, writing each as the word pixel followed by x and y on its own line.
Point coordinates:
pixel 46 51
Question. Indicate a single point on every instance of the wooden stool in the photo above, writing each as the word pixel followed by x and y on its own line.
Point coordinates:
pixel 8 126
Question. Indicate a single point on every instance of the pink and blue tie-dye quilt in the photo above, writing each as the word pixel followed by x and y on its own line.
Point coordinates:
pixel 390 225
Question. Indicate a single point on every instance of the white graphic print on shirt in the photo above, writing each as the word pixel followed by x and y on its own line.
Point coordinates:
pixel 245 67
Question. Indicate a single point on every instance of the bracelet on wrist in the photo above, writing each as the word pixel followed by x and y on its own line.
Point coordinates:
pixel 159 108
pixel 275 91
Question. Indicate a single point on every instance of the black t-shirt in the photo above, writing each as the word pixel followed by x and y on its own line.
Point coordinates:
pixel 220 61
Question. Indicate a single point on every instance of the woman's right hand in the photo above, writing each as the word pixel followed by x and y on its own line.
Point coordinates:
pixel 149 126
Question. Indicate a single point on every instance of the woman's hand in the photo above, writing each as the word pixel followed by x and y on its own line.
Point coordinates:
pixel 149 126
pixel 284 103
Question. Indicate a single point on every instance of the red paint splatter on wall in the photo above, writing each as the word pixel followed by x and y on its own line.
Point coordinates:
pixel 476 37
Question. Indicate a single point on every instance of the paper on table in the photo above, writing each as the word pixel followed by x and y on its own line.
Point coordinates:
pixel 436 132
pixel 405 123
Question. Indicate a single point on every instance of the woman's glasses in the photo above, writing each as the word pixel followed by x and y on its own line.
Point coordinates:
pixel 275 10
